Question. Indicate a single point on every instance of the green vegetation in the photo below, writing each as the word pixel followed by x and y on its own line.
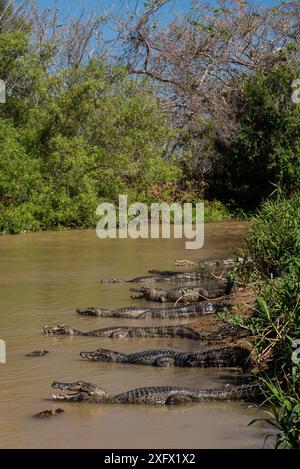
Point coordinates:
pixel 266 149
pixel 274 325
pixel 76 141
pixel 274 235
pixel 76 131
pixel 285 414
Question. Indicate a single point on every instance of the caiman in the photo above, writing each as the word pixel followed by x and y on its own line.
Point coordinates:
pixel 123 331
pixel 220 264
pixel 224 331
pixel 158 395
pixel 142 312
pixel 37 353
pixel 49 413
pixel 163 276
pixel 189 294
pixel 222 357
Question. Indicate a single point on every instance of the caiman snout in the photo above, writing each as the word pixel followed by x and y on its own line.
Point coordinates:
pixel 100 355
pixel 77 386
pixel 60 330
pixel 79 391
pixel 56 330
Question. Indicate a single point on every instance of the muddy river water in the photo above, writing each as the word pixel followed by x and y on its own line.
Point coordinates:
pixel 44 277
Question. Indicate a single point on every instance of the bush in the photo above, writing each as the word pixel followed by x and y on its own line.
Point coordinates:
pixel 274 235
pixel 275 324
pixel 266 148
pixel 276 321
pixel 20 177
pixel 284 413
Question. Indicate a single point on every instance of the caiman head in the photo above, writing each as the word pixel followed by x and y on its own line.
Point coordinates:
pixel 91 311
pixel 103 355
pixel 147 292
pixel 79 391
pixel 113 280
pixel 59 330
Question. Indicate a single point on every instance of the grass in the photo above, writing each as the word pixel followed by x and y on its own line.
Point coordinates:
pixel 284 415
pixel 274 325
pixel 274 236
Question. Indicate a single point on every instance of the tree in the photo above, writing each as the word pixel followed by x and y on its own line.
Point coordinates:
pixel 202 56
pixel 266 150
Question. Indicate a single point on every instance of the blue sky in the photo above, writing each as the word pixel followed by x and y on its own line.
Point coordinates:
pixel 76 5
pixel 94 4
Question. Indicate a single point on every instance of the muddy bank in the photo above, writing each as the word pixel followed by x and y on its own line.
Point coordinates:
pixel 242 301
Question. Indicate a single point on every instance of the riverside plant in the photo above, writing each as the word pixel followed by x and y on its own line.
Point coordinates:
pixel 274 235
pixel 278 328
pixel 284 415
pixel 273 327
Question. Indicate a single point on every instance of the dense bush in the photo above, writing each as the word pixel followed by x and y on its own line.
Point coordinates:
pixel 266 147
pixel 74 134
pixel 275 330
pixel 71 139
pixel 274 326
pixel 274 235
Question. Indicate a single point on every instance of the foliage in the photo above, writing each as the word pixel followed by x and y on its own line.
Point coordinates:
pixel 274 326
pixel 71 139
pixel 284 415
pixel 83 130
pixel 266 149
pixel 274 235
pixel 20 180
pixel 276 321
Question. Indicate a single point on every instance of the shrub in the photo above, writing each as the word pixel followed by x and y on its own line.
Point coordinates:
pixel 266 149
pixel 274 235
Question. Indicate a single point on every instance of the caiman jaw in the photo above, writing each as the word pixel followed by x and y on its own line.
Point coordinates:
pixel 77 395
pixel 80 391
pixel 58 330
pixel 99 355
pixel 69 397
pixel 88 356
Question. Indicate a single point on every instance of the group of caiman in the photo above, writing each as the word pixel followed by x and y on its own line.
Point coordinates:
pixel 196 298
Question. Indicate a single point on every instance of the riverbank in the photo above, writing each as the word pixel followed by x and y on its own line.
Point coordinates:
pixel 242 303
pixel 266 313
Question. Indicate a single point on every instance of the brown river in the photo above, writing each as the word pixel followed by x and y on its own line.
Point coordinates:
pixel 44 277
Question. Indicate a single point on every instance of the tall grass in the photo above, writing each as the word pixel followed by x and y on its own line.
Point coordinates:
pixel 274 236
pixel 284 415
pixel 274 245
pixel 276 322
